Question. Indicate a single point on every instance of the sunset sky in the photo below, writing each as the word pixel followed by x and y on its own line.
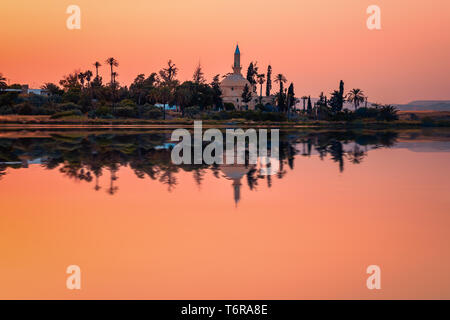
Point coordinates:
pixel 314 43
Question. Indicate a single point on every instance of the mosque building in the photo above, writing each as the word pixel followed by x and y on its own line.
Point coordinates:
pixel 232 87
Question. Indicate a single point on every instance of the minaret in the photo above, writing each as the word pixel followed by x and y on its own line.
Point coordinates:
pixel 237 61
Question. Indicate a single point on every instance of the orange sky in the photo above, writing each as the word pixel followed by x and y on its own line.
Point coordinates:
pixel 315 43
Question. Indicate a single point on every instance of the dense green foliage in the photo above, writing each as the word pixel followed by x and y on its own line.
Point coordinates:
pixel 150 97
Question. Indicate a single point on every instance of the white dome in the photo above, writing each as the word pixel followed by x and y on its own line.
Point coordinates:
pixel 235 80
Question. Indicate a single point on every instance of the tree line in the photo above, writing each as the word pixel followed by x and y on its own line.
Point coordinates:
pixel 148 96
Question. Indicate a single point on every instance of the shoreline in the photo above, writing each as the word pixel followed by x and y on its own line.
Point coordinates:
pixel 407 119
pixel 422 119
pixel 21 125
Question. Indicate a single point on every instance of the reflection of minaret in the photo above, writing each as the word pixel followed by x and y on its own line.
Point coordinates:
pixel 237 190
pixel 235 172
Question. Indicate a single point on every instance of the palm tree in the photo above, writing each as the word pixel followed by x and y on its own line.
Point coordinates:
pixel 114 87
pixel 115 75
pixel 356 96
pixel 81 77
pixel 112 63
pixel 280 78
pixel 304 98
pixel 2 81
pixel 164 94
pixel 96 65
pixel 51 88
pixel 261 79
pixel 153 95
pixel 88 76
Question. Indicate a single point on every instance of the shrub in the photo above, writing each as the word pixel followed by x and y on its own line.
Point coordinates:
pixel 148 111
pixel 363 113
pixel 272 116
pixel 221 115
pixel 8 98
pixel 85 102
pixel 127 103
pixel 56 98
pixel 191 112
pixel 63 114
pixel 229 106
pixel 324 113
pixel 36 100
pixel 261 107
pixel 345 115
pixel 387 113
pixel 71 96
pixel 125 112
pixel 24 108
pixel 6 110
pixel 249 115
pixel 68 106
pixel 46 110
pixel 101 112
pixel 154 113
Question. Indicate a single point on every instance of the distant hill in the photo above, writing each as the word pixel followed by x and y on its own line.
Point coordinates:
pixel 418 105
pixel 425 105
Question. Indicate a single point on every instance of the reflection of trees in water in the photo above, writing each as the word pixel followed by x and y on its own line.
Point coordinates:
pixel 89 158
pixel 336 145
pixel 2 171
pixel 356 155
pixel 199 175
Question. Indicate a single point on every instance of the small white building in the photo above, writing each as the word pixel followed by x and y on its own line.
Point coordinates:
pixel 26 90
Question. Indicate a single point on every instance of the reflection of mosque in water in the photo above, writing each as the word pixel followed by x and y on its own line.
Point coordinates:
pixel 88 157
pixel 235 172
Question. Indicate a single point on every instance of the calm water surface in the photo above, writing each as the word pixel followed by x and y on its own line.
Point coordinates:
pixel 140 227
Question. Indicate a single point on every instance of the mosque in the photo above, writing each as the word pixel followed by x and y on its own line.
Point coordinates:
pixel 232 87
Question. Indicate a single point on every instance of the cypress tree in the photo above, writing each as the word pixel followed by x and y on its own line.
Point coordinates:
pixel 269 80
pixel 291 95
pixel 309 105
pixel 250 72
pixel 341 95
pixel 246 94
